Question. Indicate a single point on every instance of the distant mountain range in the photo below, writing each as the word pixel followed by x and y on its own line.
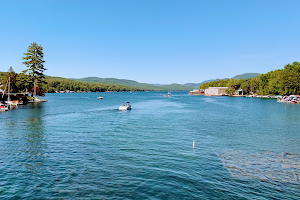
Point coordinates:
pixel 146 86
pixel 171 87
pixel 244 76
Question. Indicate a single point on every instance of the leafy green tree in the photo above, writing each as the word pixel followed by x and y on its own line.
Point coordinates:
pixel 230 90
pixel 13 79
pixel 34 60
pixel 2 76
pixel 291 78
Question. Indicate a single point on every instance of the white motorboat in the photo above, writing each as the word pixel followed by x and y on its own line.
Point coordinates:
pixel 125 106
pixel 168 95
pixel 100 97
pixel 12 103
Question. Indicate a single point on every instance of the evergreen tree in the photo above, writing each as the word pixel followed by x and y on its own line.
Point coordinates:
pixel 34 60
pixel 13 78
pixel 23 82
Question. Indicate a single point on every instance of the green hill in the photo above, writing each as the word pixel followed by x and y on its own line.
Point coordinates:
pixel 134 85
pixel 114 81
pixel 246 76
pixel 105 84
pixel 62 84
pixel 131 83
pixel 176 87
pixel 197 85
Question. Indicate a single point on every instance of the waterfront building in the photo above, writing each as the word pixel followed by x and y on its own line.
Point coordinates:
pixel 216 91
pixel 239 91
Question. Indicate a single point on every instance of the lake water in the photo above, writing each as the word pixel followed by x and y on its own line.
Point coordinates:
pixel 76 146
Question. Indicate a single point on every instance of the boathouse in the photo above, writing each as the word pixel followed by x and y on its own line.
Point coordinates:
pixel 215 91
pixel 238 90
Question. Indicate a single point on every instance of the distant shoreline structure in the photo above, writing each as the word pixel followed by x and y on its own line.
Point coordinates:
pixel 197 92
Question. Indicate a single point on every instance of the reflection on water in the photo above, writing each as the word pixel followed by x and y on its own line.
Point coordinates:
pixel 34 143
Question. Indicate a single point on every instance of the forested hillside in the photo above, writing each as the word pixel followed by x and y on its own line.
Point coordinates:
pixel 132 83
pixel 241 76
pixel 176 87
pixel 62 84
pixel 246 76
pixel 284 81
pixel 97 84
pixel 197 85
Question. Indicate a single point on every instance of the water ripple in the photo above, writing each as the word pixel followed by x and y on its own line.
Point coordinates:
pixel 77 147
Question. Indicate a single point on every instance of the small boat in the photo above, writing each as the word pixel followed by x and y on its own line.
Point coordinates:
pixel 197 92
pixel 37 100
pixel 125 106
pixel 3 107
pixel 11 103
pixel 168 95
pixel 100 97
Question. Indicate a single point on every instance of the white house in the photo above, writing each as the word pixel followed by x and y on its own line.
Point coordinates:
pixel 215 91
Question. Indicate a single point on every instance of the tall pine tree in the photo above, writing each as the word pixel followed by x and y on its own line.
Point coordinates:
pixel 34 60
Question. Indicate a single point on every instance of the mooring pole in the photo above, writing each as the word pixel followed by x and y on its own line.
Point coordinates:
pixel 8 97
pixel 34 89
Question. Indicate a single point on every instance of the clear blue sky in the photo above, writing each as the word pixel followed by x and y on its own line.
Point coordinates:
pixel 163 41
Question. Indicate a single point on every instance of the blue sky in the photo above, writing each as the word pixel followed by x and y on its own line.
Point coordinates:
pixel 152 41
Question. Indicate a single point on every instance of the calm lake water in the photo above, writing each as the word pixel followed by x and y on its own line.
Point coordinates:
pixel 76 146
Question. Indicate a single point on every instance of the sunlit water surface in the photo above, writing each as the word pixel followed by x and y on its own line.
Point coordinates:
pixel 76 146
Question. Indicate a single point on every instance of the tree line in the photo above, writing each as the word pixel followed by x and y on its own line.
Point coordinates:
pixel 62 84
pixel 284 81
pixel 19 83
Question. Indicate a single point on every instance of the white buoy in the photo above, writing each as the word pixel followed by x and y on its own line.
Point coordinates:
pixel 194 144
